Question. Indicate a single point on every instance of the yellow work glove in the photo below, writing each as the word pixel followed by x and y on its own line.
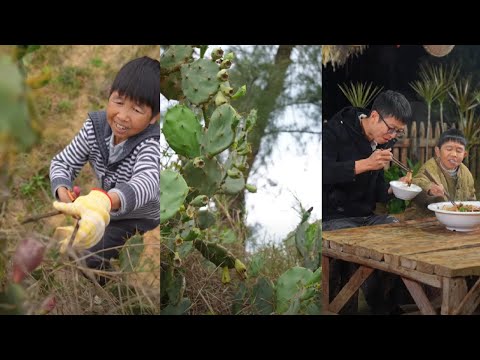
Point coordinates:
pixel 94 213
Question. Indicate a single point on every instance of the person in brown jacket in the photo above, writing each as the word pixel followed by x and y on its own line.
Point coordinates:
pixel 448 171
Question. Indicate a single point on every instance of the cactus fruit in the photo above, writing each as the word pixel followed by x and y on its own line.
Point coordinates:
pixel 225 275
pixel 199 201
pixel 190 211
pixel 234 173
pixel 183 131
pixel 177 262
pixel 173 191
pixel 199 80
pixel 220 99
pixel 225 64
pixel 251 188
pixel 217 53
pixel 28 255
pixel 226 89
pixel 198 162
pixel 222 75
pixel 220 256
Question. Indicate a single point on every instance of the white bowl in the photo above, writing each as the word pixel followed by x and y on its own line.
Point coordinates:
pixel 402 191
pixel 455 220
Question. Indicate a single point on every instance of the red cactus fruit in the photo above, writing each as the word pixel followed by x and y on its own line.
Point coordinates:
pixel 28 256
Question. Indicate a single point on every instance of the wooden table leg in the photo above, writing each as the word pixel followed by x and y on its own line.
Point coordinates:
pixel 350 288
pixel 454 291
pixel 468 305
pixel 419 296
pixel 325 283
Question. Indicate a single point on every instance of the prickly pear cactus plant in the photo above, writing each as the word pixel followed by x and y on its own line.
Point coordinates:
pixel 19 130
pixel 199 129
pixel 173 192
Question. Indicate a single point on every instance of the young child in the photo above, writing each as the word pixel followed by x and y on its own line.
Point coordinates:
pixel 122 144
pixel 448 171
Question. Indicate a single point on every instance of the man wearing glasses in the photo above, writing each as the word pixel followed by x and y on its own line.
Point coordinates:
pixel 356 147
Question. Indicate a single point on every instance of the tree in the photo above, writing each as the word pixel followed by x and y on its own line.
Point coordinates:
pixel 277 78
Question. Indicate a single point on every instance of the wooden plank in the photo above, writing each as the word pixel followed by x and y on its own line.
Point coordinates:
pixel 325 244
pixel 336 246
pixel 470 302
pixel 419 296
pixel 325 281
pixel 454 290
pixel 450 263
pixel 432 280
pixel 408 263
pixel 393 260
pixel 425 267
pixel 427 247
pixel 350 288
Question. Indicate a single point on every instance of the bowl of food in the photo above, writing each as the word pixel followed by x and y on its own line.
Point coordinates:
pixel 465 216
pixel 403 191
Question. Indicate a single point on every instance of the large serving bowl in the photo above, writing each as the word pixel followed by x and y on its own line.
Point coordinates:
pixel 402 191
pixel 455 220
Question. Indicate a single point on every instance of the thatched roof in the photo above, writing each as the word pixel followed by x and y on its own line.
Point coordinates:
pixel 337 55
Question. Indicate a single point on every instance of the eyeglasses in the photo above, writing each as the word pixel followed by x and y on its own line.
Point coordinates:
pixel 391 130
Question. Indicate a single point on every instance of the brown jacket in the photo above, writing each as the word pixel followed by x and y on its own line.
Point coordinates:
pixel 461 189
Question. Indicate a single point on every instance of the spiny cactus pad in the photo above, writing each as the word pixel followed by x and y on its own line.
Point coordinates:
pixel 205 219
pixel 233 186
pixel 263 296
pixel 182 131
pixel 290 286
pixel 171 86
pixel 220 133
pixel 205 180
pixel 173 191
pixel 199 80
pixel 176 55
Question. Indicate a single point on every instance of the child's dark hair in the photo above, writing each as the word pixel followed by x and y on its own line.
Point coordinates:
pixel 454 135
pixel 139 80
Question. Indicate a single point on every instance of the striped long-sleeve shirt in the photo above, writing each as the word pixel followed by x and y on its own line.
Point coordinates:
pixel 134 176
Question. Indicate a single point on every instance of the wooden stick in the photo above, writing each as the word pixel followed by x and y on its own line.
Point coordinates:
pixel 70 242
pixel 38 217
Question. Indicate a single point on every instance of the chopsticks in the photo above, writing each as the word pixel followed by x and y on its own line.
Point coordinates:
pixel 407 169
pixel 428 175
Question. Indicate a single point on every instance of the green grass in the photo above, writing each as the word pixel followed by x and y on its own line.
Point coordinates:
pixel 65 106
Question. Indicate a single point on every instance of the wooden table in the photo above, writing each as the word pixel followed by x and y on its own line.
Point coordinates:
pixel 420 251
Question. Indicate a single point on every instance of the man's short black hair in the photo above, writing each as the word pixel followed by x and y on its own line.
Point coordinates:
pixel 139 79
pixel 392 103
pixel 454 135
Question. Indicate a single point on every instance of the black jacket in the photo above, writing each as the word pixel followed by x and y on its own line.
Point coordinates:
pixel 345 194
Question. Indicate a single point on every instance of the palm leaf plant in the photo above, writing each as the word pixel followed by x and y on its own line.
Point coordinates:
pixel 429 90
pixel 466 100
pixel 360 94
